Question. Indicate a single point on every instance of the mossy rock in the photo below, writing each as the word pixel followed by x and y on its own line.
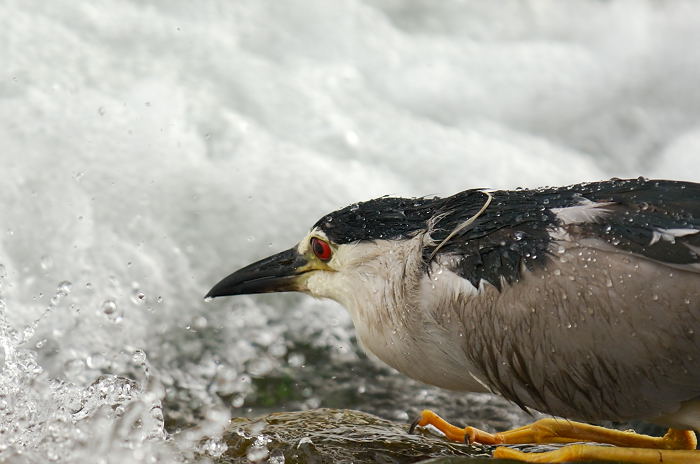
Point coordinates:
pixel 322 436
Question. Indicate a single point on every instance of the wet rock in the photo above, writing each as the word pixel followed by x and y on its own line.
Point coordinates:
pixel 324 435
pixel 338 435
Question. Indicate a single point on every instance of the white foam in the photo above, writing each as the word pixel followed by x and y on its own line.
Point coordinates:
pixel 151 148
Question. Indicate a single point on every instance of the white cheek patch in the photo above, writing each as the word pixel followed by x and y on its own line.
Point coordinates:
pixel 364 271
pixel 383 257
pixel 670 235
pixel 348 254
pixel 585 211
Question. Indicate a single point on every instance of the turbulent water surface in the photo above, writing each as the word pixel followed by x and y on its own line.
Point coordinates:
pixel 150 148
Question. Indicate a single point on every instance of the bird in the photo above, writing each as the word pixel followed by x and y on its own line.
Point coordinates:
pixel 581 302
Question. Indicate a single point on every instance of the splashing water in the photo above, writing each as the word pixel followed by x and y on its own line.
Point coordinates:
pixel 44 418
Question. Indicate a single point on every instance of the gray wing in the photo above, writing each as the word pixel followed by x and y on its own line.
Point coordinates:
pixel 656 220
pixel 594 305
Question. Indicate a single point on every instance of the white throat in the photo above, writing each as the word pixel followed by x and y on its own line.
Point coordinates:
pixel 391 301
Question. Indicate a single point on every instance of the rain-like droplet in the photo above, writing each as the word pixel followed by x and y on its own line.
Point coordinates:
pixel 28 332
pixel 139 357
pixel 46 262
pixel 256 454
pixel 238 400
pixel 296 359
pixel 113 313
pixel 95 361
pixel 200 323
pixel 64 287
pixel 137 296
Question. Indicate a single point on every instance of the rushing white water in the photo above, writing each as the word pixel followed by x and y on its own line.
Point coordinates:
pixel 150 148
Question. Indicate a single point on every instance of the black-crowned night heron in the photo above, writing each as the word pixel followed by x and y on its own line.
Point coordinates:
pixel 581 302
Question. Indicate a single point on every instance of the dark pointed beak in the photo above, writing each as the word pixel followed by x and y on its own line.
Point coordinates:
pixel 277 273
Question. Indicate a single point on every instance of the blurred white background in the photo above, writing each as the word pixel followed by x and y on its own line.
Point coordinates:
pixel 149 148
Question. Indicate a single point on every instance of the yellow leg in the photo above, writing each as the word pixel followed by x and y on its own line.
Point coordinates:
pixel 563 431
pixel 574 453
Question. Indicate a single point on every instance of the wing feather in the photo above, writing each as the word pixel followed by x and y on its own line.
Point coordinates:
pixel 655 220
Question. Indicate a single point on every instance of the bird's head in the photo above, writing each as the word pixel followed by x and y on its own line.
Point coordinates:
pixel 348 255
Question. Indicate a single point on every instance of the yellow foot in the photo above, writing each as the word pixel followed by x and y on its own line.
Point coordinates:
pixel 561 431
pixel 452 432
pixel 574 453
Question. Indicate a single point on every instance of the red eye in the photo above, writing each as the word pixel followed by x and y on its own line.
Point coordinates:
pixel 322 249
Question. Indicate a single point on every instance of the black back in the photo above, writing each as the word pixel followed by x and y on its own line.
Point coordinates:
pixel 515 229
